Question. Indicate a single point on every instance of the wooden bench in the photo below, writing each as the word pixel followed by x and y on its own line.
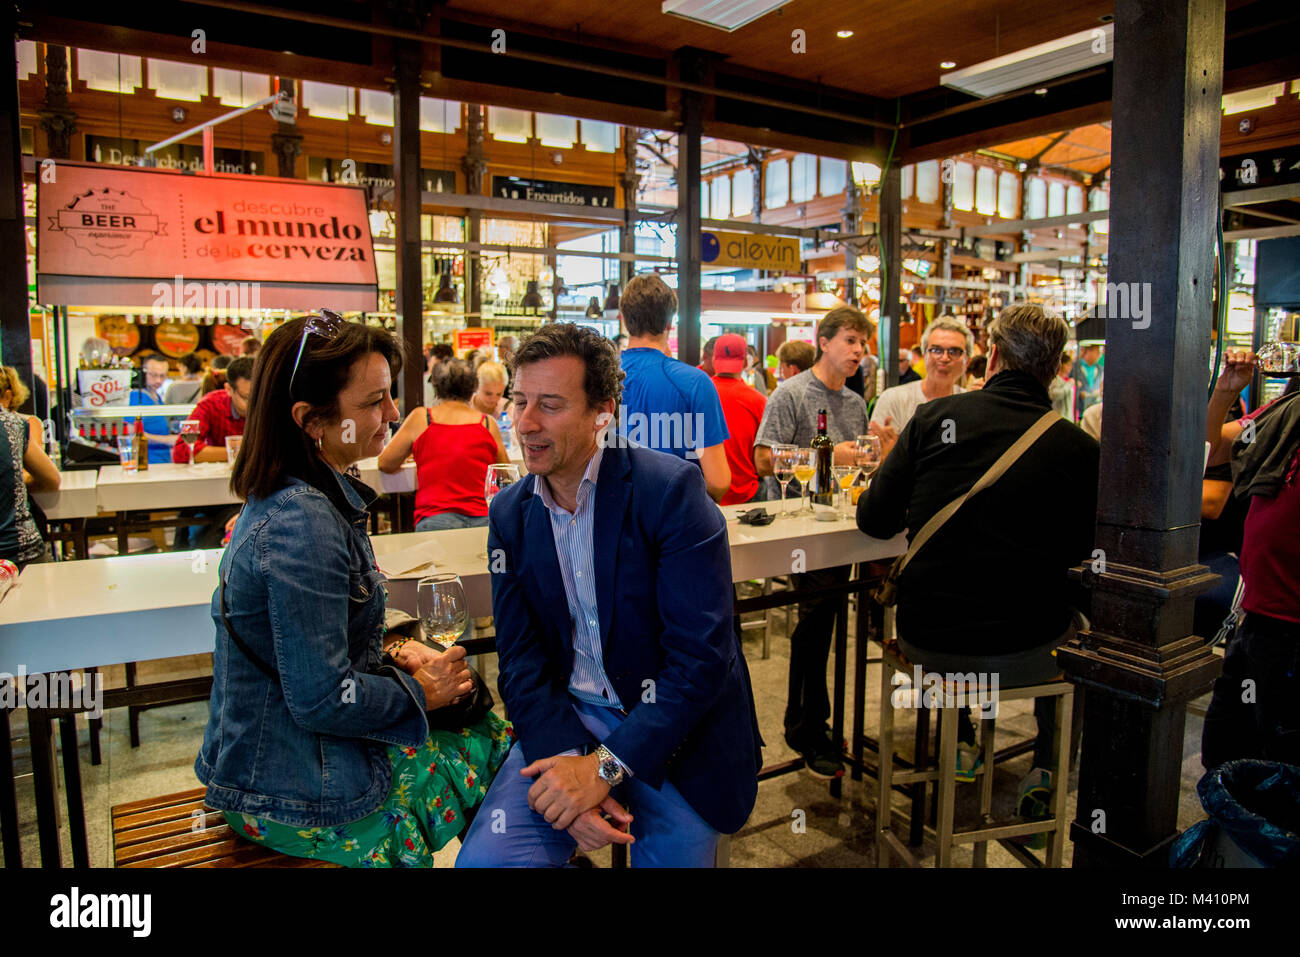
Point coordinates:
pixel 179 830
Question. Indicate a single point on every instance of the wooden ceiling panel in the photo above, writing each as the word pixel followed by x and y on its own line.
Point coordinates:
pixel 896 48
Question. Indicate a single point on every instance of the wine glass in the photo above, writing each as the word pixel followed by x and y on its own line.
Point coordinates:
pixel 783 469
pixel 843 484
pixel 190 430
pixel 867 456
pixel 498 477
pixel 440 600
pixel 805 467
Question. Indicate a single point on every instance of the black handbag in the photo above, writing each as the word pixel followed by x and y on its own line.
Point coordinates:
pixel 469 711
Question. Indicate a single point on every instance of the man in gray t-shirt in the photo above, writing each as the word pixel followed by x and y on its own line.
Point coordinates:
pixel 791 417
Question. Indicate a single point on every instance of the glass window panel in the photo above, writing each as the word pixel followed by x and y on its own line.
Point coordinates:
pixel 236 88
pixel 27 64
pixel 557 131
pixel 599 137
pixel 511 126
pixel 1100 200
pixel 376 107
pixel 908 177
pixel 1008 195
pixel 108 72
pixel 178 81
pixel 963 186
pixel 742 192
pixel 326 101
pixel 866 175
pixel 720 187
pixel 986 191
pixel 1074 199
pixel 803 178
pixel 833 176
pixel 1036 201
pixel 927 181
pixel 1055 199
pixel 439 116
pixel 776 186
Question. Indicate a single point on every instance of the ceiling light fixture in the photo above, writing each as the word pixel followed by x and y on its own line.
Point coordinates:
pixel 1041 91
pixel 726 15
pixel 1034 65
pixel 844 34
pixel 947 64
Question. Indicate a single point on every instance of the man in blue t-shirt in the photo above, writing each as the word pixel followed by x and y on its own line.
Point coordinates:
pixel 668 405
pixel 156 428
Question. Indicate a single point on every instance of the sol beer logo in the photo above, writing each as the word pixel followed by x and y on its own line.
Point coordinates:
pixel 108 223
pixel 107 387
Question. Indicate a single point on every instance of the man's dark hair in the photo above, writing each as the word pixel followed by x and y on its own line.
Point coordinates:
pixel 221 362
pixel 602 376
pixel 250 346
pixel 454 379
pixel 191 363
pixel 442 352
pixel 843 317
pixel 648 305
pixel 154 357
pixel 977 367
pixel 275 448
pixel 240 368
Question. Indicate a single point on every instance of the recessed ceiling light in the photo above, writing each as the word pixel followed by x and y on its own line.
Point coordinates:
pixel 844 34
pixel 1041 91
pixel 947 64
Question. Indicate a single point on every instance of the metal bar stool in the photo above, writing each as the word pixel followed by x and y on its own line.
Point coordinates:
pixel 944 773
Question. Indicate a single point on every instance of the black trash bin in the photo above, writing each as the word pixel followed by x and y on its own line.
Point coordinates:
pixel 1254 809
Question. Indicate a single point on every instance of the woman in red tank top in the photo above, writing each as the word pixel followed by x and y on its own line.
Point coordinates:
pixel 453 445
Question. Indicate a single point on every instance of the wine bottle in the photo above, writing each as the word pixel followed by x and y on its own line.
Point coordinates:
pixel 823 488
pixel 141 446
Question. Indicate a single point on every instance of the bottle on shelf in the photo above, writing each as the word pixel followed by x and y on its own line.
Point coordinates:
pixel 141 446
pixel 823 488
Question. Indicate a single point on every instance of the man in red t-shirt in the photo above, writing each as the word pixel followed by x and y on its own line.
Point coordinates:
pixel 220 413
pixel 742 407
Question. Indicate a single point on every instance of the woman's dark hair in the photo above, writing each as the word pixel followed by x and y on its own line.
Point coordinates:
pixel 454 379
pixel 442 352
pixel 191 363
pixel 275 449
pixel 602 376
pixel 978 366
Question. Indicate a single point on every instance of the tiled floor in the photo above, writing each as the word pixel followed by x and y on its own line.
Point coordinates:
pixel 828 832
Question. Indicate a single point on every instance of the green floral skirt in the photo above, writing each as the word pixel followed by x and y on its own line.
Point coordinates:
pixel 433 787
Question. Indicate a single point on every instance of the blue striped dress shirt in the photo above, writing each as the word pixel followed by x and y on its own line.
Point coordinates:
pixel 575 553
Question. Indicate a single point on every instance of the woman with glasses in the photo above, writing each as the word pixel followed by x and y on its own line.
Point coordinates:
pixel 317 743
pixel 947 345
pixel 453 444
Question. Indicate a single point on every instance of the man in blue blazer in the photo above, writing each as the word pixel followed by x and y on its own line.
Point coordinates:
pixel 620 668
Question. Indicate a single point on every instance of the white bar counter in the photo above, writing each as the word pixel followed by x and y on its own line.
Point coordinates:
pixel 76 497
pixel 165 486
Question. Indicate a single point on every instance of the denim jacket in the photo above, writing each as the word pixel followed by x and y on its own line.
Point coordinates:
pixel 304 593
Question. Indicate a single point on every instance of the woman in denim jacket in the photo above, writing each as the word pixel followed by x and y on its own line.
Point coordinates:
pixel 313 746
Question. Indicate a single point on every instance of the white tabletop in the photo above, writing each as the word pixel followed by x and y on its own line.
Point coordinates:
pixel 76 497
pixel 165 486
pixel 67 615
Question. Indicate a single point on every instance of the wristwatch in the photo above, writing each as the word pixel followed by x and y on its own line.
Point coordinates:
pixel 608 767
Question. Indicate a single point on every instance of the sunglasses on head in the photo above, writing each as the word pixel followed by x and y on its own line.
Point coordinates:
pixel 325 324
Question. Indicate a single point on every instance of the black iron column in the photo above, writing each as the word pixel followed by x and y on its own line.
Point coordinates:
pixel 850 225
pixel 693 68
pixel 475 167
pixel 891 279
pixel 57 120
pixel 406 173
pixel 631 182
pixel 1140 663
pixel 16 345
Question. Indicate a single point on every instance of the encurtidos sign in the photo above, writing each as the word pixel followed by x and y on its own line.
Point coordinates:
pixel 746 251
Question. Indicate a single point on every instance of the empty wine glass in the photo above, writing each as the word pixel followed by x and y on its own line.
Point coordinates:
pixel 498 477
pixel 783 469
pixel 440 601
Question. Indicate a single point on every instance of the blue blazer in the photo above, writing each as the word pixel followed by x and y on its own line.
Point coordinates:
pixel 664 597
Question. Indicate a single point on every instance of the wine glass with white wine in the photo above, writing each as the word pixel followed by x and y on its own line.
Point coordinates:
pixel 783 469
pixel 440 600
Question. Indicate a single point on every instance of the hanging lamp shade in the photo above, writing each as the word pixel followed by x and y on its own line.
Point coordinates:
pixel 446 291
pixel 532 298
pixel 593 309
pixel 611 301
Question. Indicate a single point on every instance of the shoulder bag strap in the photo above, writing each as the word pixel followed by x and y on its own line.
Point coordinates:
pixel 251 655
pixel 1004 462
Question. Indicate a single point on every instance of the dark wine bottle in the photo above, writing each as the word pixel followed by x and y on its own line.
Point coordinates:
pixel 823 485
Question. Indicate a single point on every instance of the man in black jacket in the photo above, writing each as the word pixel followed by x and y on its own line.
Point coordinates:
pixel 989 592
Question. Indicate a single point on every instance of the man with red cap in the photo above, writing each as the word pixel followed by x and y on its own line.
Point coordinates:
pixel 742 407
